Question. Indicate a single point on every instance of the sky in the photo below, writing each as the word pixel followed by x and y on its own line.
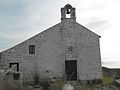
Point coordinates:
pixel 22 19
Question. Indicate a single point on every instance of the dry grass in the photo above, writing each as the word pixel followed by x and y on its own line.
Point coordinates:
pixel 58 85
pixel 96 87
pixel 107 84
pixel 108 80
pixel 2 87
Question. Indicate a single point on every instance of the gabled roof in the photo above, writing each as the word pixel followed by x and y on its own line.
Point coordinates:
pixel 31 38
pixel 89 30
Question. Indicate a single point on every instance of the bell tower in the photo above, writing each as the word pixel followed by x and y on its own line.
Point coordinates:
pixel 66 11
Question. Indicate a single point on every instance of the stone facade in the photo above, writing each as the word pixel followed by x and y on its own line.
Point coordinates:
pixel 65 41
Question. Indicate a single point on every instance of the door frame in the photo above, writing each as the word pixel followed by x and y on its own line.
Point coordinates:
pixel 76 70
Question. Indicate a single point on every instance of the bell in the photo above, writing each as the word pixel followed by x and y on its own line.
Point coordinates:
pixel 68 11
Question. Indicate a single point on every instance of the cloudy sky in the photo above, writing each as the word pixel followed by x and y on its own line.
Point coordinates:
pixel 22 19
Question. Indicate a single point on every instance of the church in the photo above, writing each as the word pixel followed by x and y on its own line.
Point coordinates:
pixel 66 49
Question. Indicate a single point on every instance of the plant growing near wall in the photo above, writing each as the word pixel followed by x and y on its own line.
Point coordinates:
pixel 36 79
pixel 108 80
pixel 59 84
pixel 44 83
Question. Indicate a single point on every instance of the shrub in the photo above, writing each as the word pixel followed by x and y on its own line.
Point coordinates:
pixel 44 83
pixel 58 85
pixel 108 80
pixel 36 79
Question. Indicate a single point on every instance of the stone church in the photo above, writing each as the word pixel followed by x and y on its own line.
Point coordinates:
pixel 65 49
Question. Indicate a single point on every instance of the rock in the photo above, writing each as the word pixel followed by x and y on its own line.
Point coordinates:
pixel 68 87
pixel 117 83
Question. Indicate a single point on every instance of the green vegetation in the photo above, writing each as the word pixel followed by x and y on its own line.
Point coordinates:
pixel 107 84
pixel 44 83
pixel 36 79
pixel 107 80
pixel 58 85
pixel 96 87
pixel 109 77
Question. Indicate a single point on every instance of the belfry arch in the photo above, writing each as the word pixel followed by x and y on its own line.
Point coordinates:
pixel 68 10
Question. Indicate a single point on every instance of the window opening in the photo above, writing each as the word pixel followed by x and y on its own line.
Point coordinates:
pixel 31 49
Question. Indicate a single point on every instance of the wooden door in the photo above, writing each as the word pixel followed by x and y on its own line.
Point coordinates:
pixel 71 69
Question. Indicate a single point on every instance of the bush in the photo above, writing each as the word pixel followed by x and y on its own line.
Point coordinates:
pixel 108 80
pixel 58 85
pixel 36 79
pixel 44 83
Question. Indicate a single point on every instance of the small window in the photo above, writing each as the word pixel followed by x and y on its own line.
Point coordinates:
pixel 14 66
pixel 70 49
pixel 31 49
